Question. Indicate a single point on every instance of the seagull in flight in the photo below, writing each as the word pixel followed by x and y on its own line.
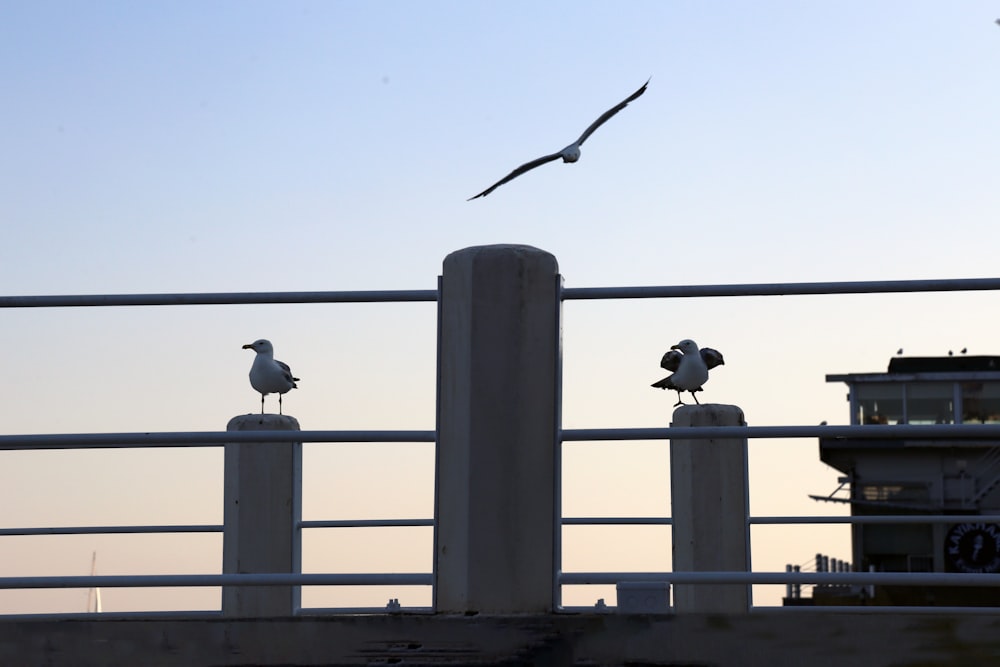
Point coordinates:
pixel 268 375
pixel 569 154
pixel 689 366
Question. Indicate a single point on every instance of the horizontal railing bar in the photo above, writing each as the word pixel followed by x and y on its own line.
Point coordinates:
pixel 216 438
pixel 884 519
pixel 783 289
pixel 374 296
pixel 566 521
pixel 830 578
pixel 617 521
pixel 200 438
pixel 192 580
pixel 101 530
pixel 366 523
pixel 874 432
pixel 796 520
pixel 216 298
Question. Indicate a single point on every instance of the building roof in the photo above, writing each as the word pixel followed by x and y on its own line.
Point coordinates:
pixel 929 369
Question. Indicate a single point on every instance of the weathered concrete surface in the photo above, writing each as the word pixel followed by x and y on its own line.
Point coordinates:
pixel 799 638
pixel 262 509
pixel 498 408
pixel 709 505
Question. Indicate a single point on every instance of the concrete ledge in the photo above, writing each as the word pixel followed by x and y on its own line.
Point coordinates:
pixel 809 638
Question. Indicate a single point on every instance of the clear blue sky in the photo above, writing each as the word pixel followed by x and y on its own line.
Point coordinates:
pixel 245 146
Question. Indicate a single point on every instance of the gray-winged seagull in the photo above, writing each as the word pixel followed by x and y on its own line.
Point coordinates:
pixel 569 154
pixel 268 375
pixel 689 367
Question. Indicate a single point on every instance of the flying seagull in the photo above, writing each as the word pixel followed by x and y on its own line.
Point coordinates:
pixel 569 154
pixel 268 375
pixel 689 367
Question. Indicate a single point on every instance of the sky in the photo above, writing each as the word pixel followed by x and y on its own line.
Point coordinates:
pixel 297 146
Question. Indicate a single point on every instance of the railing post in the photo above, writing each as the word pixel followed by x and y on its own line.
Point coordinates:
pixel 263 508
pixel 498 406
pixel 710 508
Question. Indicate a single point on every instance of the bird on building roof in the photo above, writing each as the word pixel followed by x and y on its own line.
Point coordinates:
pixel 689 366
pixel 569 154
pixel 267 374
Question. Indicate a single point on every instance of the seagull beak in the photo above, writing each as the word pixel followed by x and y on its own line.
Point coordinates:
pixel 675 347
pixel 248 346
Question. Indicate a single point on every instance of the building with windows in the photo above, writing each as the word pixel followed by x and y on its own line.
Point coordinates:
pixel 919 476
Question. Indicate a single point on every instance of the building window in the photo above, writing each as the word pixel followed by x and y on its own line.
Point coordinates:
pixel 981 402
pixel 879 403
pixel 930 403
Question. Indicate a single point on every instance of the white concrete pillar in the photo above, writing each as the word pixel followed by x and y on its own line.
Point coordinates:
pixel 263 507
pixel 498 413
pixel 710 507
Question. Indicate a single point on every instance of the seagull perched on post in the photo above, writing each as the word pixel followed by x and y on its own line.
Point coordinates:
pixel 689 367
pixel 268 375
pixel 569 154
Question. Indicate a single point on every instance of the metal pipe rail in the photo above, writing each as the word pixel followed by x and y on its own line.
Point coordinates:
pixel 830 578
pixel 200 438
pixel 568 293
pixel 207 528
pixel 190 580
pixel 367 523
pixel 217 438
pixel 216 298
pixel 795 520
pixel 783 289
pixel 110 530
pixel 875 519
pixel 874 432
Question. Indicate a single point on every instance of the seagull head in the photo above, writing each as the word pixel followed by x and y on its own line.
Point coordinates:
pixel 571 153
pixel 687 346
pixel 260 346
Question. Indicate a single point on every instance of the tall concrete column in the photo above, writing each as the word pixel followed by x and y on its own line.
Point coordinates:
pixel 498 404
pixel 263 507
pixel 710 507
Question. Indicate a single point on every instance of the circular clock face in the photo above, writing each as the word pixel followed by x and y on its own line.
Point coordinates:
pixel 973 547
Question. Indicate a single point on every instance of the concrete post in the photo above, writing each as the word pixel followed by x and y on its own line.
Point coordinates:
pixel 498 413
pixel 263 507
pixel 710 507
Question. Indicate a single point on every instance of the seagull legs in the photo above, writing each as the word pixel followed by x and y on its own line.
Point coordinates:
pixel 279 404
pixel 262 403
pixel 680 401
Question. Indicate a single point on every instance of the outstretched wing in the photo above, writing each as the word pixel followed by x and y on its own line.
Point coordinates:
pixel 610 112
pixel 527 166
pixel 712 358
pixel 665 383
pixel 671 361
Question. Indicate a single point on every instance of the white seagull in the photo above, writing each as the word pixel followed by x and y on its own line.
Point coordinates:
pixel 569 154
pixel 689 367
pixel 268 375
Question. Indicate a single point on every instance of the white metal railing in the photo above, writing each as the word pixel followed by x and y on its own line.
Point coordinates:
pixel 212 439
pixel 207 439
pixel 988 433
